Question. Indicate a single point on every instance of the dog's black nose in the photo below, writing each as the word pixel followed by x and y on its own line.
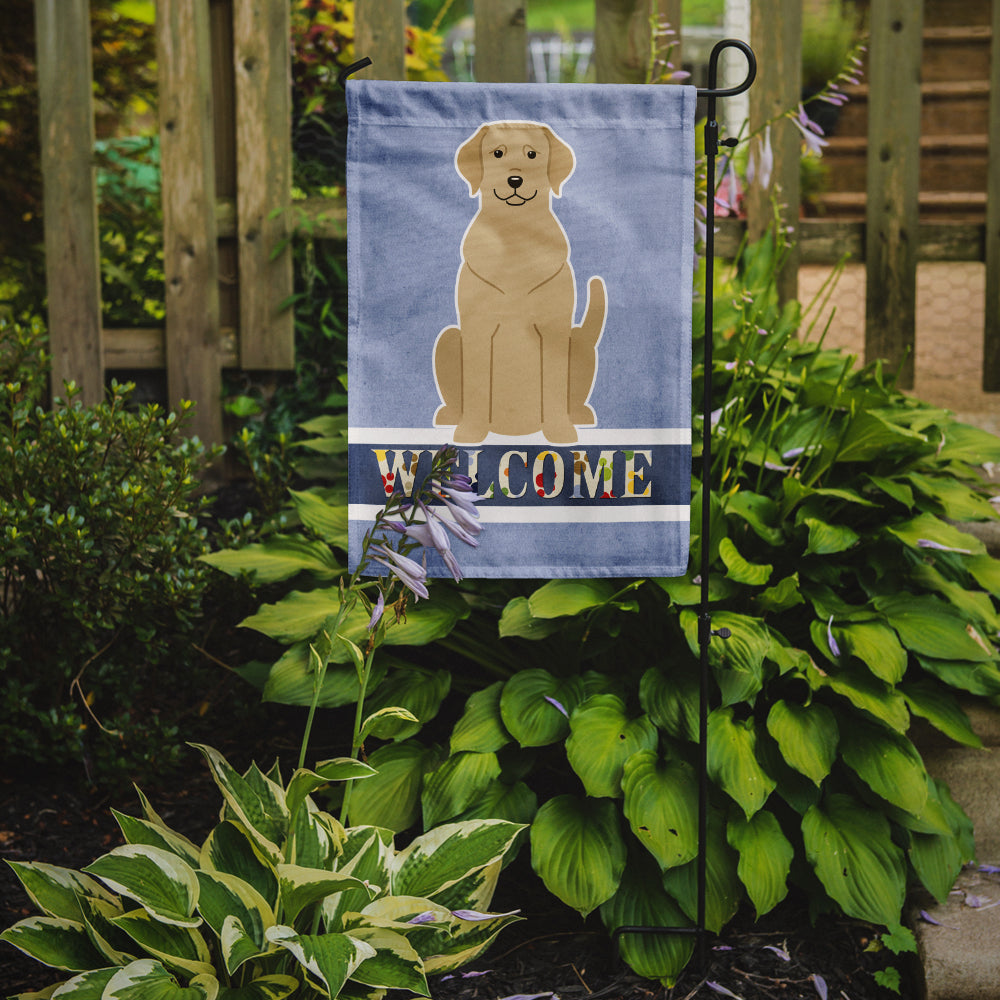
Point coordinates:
pixel 515 182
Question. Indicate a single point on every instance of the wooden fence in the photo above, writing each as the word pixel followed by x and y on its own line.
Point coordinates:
pixel 226 160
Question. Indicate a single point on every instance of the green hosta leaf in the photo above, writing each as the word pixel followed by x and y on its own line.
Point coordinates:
pixel 225 897
pixel 888 763
pixel 738 661
pixel 865 692
pixel 147 979
pixel 578 851
pixel 528 710
pixel 732 760
pixel 783 595
pixel 160 882
pixel 56 891
pixel 661 799
pixel 395 964
pixel 739 569
pixel 937 859
pixel 443 856
pixel 928 528
pixel 876 646
pixel 279 558
pixel 965 443
pixel 54 941
pixel 515 803
pixel 274 987
pixel 976 605
pixel 683 591
pixel 723 889
pixel 893 488
pixel 827 539
pixel 558 598
pixel 327 520
pixel 291 680
pixel 931 628
pixel 850 847
pixel 481 728
pixel 301 887
pixel 260 809
pixel 957 501
pixel 641 901
pixel 986 571
pixel 602 738
pixel 941 709
pixel 976 678
pixel 807 736
pixel 330 959
pixel 765 858
pixel 180 948
pixel 141 831
pixel 456 784
pixel 671 700
pixel 391 798
pixel 869 436
pixel 416 689
pixel 230 849
pixel 758 511
pixel 517 620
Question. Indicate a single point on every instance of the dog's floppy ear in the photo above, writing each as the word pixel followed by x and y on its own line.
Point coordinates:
pixel 469 160
pixel 561 161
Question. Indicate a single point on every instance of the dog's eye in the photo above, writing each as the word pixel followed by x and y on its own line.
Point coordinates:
pixel 531 154
pixel 498 153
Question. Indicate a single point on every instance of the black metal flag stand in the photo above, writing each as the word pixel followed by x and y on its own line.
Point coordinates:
pixel 705 631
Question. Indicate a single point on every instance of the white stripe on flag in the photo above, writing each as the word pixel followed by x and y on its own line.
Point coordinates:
pixel 589 437
pixel 561 514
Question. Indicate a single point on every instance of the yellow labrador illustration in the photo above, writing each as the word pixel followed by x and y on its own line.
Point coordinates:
pixel 515 363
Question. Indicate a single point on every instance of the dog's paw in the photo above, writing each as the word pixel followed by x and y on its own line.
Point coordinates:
pixel 469 433
pixel 583 416
pixel 559 432
pixel 447 416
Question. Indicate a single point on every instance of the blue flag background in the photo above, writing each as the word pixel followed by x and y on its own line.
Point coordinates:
pixel 452 341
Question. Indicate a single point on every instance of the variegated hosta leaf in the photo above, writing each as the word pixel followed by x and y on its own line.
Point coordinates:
pixel 476 890
pixel 765 858
pixel 535 706
pixel 56 891
pixel 230 849
pixel 304 782
pixel 661 799
pixel 642 902
pixel 274 987
pixel 177 947
pixel 441 857
pixel 391 799
pixel 807 736
pixel 466 941
pixel 256 801
pixel 723 889
pixel 732 760
pixel 456 784
pixel 225 897
pixel 86 986
pixel 395 964
pixel 98 915
pixel 149 980
pixel 850 847
pixel 329 959
pixel 578 851
pixel 481 727
pixel 888 763
pixel 367 853
pixel 602 737
pixel 141 831
pixel 158 880
pixel 54 941
pixel 301 887
pixel 315 838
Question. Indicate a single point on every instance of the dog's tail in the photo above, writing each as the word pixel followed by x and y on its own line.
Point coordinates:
pixel 592 326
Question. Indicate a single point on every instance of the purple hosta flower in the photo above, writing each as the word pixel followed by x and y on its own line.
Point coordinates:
pixel 990 869
pixel 927 543
pixel 465 517
pixel 780 952
pixel 431 535
pixel 530 996
pixel 410 573
pixel 811 132
pixel 760 166
pixel 719 988
pixel 927 918
pixel 465 975
pixel 820 983
pixel 377 612
pixel 427 917
pixel 558 705
pixel 475 915
pixel 834 648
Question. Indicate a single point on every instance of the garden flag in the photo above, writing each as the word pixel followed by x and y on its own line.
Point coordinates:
pixel 520 263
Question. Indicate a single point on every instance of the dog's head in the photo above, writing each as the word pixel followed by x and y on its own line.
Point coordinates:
pixel 515 163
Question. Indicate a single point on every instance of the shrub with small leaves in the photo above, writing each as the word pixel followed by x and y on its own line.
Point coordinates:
pixel 99 573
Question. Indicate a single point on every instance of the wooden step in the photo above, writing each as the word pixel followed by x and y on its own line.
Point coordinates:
pixel 956 53
pixel 947 162
pixel 957 206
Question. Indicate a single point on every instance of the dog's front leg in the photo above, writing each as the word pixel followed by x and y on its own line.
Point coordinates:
pixel 476 378
pixel 556 425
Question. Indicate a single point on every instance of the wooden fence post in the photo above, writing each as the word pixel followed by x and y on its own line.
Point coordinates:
pixel 72 255
pixel 501 38
pixel 776 35
pixel 380 34
pixel 991 332
pixel 892 215
pixel 190 251
pixel 262 61
pixel 621 40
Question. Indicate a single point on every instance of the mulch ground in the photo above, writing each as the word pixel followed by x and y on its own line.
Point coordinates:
pixel 58 820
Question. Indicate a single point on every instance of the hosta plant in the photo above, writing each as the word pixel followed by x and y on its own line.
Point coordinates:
pixel 279 900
